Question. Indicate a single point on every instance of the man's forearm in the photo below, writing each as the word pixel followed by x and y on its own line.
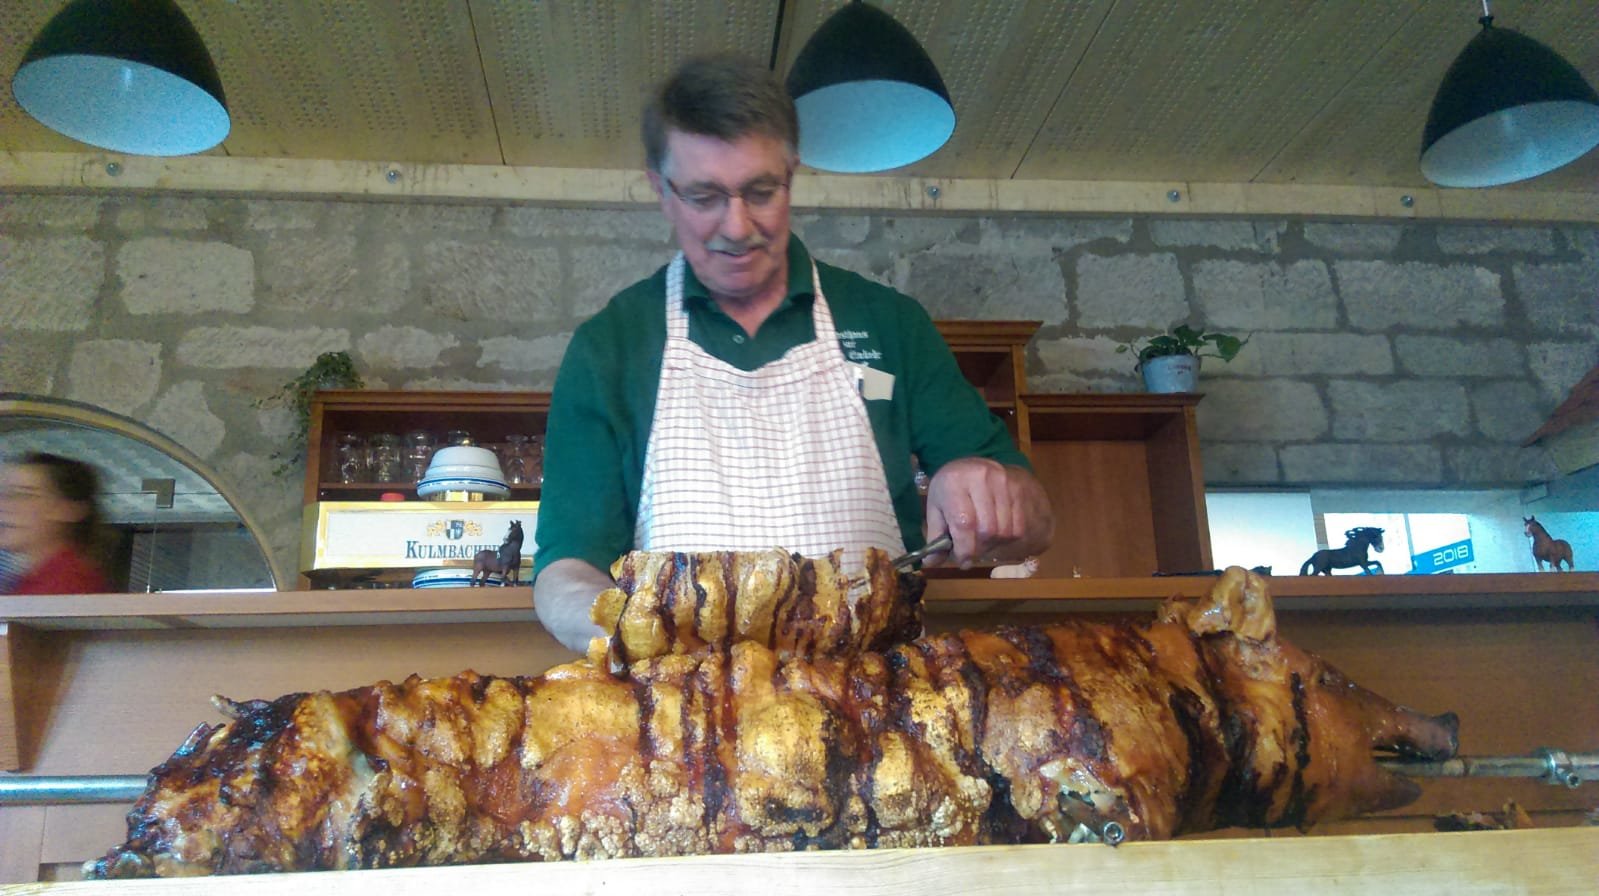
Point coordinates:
pixel 563 596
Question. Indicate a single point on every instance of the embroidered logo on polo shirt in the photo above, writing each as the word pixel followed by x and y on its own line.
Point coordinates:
pixel 854 349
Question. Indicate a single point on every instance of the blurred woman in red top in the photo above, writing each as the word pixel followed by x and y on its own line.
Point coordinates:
pixel 50 525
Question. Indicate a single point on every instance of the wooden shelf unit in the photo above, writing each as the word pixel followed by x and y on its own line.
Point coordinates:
pixel 1124 478
pixel 488 416
pixel 992 355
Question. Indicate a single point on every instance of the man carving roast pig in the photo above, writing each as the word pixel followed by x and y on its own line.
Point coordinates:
pixel 712 406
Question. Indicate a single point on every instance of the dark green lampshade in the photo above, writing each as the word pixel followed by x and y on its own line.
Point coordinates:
pixel 868 96
pixel 131 76
pixel 1509 108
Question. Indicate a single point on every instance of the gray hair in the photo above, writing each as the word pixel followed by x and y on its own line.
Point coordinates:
pixel 724 96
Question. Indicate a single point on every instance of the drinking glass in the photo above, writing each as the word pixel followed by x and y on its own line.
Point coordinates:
pixel 535 460
pixel 418 453
pixel 515 459
pixel 350 457
pixel 387 459
pixel 458 437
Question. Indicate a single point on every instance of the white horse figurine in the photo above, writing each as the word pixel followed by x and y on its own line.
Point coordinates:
pixel 1023 570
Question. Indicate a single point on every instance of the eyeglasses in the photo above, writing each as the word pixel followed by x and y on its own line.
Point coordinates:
pixel 711 199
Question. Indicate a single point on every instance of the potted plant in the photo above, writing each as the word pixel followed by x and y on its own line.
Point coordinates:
pixel 331 370
pixel 1170 361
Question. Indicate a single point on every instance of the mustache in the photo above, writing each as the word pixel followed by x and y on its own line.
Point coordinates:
pixel 723 244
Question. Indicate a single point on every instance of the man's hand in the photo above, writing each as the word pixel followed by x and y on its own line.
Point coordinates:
pixel 563 597
pixel 992 511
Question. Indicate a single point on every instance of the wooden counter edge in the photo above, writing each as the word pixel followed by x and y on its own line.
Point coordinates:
pixel 1547 861
pixel 216 609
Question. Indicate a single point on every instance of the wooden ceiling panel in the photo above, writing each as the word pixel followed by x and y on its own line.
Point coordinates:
pixel 1331 92
pixel 1370 133
pixel 393 81
pixel 569 79
pixel 1202 91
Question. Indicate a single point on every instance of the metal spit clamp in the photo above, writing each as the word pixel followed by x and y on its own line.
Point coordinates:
pixel 1090 825
pixel 1564 769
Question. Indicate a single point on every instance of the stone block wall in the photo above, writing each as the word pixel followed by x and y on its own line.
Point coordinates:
pixel 1416 354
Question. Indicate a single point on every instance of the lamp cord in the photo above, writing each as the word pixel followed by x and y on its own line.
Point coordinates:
pixel 777 36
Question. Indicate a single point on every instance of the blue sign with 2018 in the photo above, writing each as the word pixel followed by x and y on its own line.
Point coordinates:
pixel 1440 559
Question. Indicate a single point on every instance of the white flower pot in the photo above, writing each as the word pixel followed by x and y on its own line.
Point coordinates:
pixel 1171 373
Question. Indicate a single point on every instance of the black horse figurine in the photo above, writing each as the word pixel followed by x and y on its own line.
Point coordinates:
pixel 1353 553
pixel 506 562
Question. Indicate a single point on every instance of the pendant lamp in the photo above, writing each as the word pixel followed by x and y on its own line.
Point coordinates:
pixel 868 96
pixel 126 75
pixel 1509 108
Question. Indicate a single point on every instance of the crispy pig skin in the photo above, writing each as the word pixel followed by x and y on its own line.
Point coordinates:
pixel 1015 735
pixel 666 602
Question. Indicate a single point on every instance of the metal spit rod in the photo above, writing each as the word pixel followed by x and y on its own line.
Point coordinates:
pixel 23 790
pixel 1555 767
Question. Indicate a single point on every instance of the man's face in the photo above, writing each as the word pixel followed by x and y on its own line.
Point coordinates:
pixel 729 206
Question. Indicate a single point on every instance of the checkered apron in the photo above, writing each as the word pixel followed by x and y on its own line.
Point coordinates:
pixel 782 456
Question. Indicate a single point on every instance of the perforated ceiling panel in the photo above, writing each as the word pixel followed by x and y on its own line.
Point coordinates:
pixel 392 81
pixel 1370 131
pixel 1276 91
pixel 1201 91
pixel 569 79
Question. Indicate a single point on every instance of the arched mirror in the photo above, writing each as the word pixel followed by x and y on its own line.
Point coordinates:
pixel 177 526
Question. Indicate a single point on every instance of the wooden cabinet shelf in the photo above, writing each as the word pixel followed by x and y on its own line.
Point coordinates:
pixel 992 355
pixel 1124 479
pixel 489 416
pixel 374 491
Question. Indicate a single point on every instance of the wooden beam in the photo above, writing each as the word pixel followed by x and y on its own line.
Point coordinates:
pixel 607 188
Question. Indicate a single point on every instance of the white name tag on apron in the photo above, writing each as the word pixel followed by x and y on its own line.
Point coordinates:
pixel 876 385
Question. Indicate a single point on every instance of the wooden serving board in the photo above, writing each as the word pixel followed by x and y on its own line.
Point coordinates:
pixel 1548 861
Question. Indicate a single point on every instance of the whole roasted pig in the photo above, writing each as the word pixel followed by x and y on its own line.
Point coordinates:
pixel 1199 719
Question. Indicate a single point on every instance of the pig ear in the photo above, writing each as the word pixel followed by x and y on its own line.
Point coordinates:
pixel 1238 604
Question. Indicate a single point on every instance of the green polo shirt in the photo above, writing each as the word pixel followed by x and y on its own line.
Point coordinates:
pixel 604 399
